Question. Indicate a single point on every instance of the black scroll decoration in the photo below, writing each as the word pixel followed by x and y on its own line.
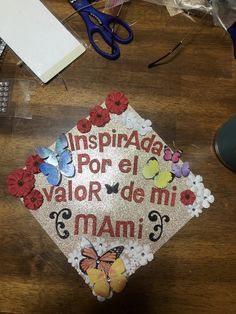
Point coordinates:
pixel 66 214
pixel 156 216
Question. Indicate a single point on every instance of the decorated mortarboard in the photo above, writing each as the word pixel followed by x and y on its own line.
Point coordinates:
pixel 109 193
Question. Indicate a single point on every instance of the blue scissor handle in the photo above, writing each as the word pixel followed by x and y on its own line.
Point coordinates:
pixel 232 31
pixel 115 50
pixel 109 22
pixel 104 25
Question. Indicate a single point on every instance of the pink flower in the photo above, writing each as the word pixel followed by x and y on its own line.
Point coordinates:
pixel 20 182
pixel 99 116
pixel 33 200
pixel 116 102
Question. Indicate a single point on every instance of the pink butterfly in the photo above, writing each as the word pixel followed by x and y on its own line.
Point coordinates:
pixel 169 156
pixel 181 171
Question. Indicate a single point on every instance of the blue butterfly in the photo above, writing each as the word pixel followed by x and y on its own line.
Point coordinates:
pixel 58 162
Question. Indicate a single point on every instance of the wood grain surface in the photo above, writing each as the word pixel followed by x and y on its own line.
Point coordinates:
pixel 187 99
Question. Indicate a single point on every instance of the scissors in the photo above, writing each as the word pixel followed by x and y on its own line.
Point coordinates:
pixel 103 27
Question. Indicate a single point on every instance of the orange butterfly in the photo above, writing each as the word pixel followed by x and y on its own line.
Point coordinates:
pixel 93 260
pixel 115 280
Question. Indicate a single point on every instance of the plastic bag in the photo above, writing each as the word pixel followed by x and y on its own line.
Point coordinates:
pixel 114 3
pixel 202 5
pixel 223 12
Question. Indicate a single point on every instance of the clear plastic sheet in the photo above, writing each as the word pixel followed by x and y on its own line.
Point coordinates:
pixel 223 11
pixel 113 3
pixel 202 5
pixel 18 98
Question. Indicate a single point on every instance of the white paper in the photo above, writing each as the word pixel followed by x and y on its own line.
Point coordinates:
pixel 37 37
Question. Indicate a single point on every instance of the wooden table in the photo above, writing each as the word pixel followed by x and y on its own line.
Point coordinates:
pixel 187 99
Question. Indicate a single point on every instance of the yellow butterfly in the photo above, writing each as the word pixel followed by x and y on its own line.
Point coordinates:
pixel 152 171
pixel 103 284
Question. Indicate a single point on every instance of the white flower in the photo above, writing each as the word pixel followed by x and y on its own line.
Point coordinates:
pixel 74 258
pixel 126 262
pixel 114 244
pixel 132 249
pixel 145 255
pixel 143 126
pixel 99 298
pixel 133 266
pixel 132 121
pixel 130 266
pixel 129 119
pixel 205 198
pixel 110 295
pixel 114 117
pixel 195 183
pixel 87 281
pixel 84 242
pixel 100 245
pixel 195 209
pixel 102 299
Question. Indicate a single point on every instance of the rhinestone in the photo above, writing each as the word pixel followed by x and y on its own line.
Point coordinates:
pixel 4 94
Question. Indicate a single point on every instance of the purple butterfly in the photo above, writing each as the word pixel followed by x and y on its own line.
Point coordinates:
pixel 181 171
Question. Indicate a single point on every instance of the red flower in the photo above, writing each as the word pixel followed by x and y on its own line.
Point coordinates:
pixel 33 162
pixel 187 197
pixel 20 182
pixel 99 116
pixel 33 200
pixel 116 102
pixel 84 125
